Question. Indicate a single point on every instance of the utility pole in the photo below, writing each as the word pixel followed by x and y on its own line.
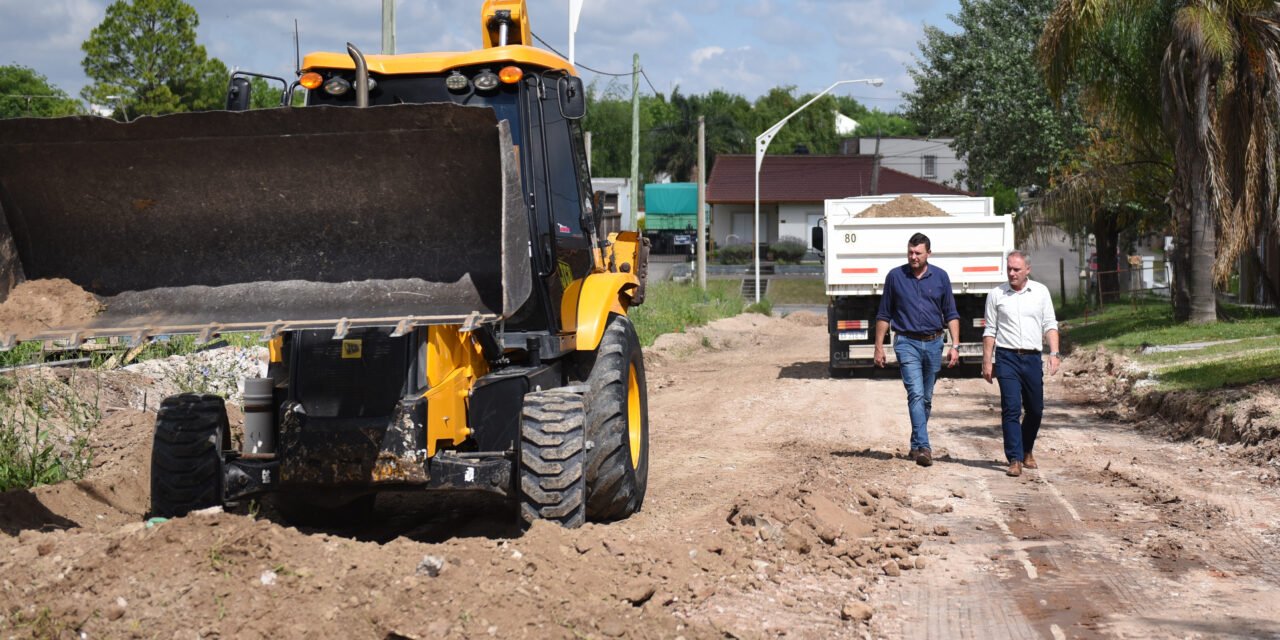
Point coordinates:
pixel 875 167
pixel 702 202
pixel 635 139
pixel 388 27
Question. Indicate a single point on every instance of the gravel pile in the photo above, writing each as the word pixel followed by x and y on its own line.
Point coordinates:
pixel 221 371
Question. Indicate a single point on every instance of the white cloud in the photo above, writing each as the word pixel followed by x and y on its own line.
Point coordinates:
pixel 706 53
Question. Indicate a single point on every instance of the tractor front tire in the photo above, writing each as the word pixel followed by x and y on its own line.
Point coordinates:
pixel 551 459
pixel 186 454
pixel 617 407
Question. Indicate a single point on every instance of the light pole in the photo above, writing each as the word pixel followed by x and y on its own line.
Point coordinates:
pixel 762 143
pixel 125 114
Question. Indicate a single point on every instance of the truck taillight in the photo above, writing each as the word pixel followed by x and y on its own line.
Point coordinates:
pixel 853 324
pixel 979 323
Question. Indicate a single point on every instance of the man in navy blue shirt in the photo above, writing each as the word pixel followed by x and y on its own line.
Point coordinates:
pixel 917 301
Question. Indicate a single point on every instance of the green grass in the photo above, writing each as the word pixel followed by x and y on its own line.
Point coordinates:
pixel 1127 328
pixel 1241 369
pixel 789 291
pixel 670 307
pixel 1218 351
pixel 1124 326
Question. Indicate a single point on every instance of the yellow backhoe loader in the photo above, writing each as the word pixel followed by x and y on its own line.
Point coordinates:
pixel 422 248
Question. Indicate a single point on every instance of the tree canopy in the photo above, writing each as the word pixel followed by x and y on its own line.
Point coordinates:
pixel 982 87
pixel 144 55
pixel 25 92
pixel 1205 75
pixel 669 127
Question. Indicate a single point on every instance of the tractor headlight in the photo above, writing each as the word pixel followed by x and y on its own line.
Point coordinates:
pixel 486 80
pixel 337 86
pixel 456 81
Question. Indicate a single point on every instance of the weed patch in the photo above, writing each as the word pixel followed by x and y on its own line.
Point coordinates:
pixel 671 307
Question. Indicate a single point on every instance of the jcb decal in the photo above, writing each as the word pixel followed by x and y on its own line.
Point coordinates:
pixel 351 349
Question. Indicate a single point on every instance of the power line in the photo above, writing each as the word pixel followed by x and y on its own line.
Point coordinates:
pixel 603 73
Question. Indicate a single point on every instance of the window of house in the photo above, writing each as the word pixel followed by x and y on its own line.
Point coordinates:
pixel 930 167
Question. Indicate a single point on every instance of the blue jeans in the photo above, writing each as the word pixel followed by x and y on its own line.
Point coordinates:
pixel 1021 378
pixel 919 363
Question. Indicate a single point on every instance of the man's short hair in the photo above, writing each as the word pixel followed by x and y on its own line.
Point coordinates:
pixel 1026 257
pixel 919 239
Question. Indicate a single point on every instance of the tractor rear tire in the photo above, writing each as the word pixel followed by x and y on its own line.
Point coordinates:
pixel 186 454
pixel 551 459
pixel 617 406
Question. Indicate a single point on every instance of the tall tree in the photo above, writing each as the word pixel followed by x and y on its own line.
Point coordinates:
pixel 873 121
pixel 981 86
pixel 25 92
pixel 1218 76
pixel 813 129
pixel 145 52
pixel 675 141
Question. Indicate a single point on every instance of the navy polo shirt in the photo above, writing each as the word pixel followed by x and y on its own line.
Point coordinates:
pixel 917 305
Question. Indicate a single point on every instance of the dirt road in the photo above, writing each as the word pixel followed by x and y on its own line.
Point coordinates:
pixel 779 503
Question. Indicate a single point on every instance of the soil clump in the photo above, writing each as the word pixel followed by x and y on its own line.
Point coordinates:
pixel 36 305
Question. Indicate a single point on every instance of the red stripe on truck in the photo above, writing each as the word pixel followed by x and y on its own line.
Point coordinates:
pixel 973 269
pixel 859 270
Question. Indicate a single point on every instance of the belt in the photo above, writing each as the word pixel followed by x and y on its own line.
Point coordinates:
pixel 922 337
pixel 1025 352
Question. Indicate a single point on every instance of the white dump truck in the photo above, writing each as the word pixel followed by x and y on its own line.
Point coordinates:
pixel 863 244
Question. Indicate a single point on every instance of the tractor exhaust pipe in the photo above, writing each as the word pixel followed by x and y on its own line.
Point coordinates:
pixel 362 76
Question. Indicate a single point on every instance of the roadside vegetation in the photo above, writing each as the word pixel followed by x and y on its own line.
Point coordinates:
pixel 1243 348
pixel 48 413
pixel 672 307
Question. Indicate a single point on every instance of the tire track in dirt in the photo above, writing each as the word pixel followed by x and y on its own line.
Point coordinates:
pixel 1074 550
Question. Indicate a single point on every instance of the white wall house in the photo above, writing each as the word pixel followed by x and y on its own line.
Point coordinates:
pixel 928 158
pixel 793 189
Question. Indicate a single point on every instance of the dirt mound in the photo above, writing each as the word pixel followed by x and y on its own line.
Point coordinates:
pixel 1248 416
pixel 904 206
pixel 36 305
pixel 807 318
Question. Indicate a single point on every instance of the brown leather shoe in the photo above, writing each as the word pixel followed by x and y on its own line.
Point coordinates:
pixel 924 457
pixel 911 455
pixel 1029 461
pixel 1015 469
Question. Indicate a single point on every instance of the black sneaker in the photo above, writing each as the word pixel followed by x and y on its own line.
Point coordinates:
pixel 924 457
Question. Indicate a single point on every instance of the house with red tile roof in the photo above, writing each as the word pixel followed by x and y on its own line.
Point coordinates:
pixel 792 191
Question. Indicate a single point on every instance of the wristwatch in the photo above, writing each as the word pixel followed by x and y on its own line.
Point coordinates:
pixel 1055 354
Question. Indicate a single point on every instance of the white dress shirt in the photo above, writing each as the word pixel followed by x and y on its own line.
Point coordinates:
pixel 1019 319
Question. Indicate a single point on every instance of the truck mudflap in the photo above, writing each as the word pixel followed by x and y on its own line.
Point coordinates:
pixel 274 219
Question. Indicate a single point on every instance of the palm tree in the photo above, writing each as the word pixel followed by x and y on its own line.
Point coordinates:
pixel 1218 77
pixel 675 142
pixel 1111 183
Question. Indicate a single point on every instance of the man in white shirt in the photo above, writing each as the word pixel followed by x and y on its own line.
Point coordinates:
pixel 1019 315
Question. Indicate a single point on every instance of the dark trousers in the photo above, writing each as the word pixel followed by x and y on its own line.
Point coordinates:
pixel 1021 378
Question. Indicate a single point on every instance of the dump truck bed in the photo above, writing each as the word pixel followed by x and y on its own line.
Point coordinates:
pixel 271 219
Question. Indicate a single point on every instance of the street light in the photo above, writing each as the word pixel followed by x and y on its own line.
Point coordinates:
pixel 762 143
pixel 125 114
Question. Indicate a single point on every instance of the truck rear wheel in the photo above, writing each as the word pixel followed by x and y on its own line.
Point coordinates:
pixel 551 445
pixel 186 454
pixel 617 409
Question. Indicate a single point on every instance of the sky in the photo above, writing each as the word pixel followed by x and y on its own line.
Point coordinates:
pixel 744 47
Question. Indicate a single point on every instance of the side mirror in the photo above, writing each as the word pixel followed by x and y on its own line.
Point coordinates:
pixel 816 238
pixel 573 97
pixel 238 94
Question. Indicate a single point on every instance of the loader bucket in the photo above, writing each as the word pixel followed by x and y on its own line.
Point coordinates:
pixel 271 219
